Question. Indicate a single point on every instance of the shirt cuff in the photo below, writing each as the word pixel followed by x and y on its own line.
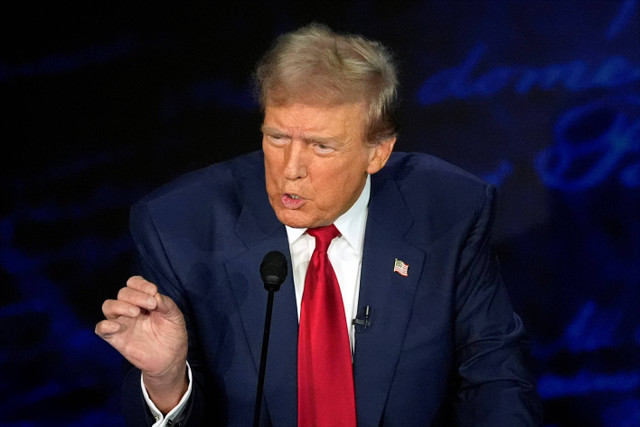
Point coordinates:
pixel 161 420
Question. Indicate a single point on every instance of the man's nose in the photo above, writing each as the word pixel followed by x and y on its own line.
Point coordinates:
pixel 295 160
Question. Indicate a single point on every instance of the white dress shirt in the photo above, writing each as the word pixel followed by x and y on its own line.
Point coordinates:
pixel 345 254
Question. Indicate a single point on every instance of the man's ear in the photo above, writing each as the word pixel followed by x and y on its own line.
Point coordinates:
pixel 381 154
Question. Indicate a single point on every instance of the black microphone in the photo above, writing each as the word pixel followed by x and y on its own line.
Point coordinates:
pixel 362 324
pixel 273 271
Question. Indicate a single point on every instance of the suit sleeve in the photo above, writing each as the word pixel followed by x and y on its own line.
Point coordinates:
pixel 154 266
pixel 493 386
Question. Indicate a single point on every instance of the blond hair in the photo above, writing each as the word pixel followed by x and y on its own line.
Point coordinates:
pixel 317 65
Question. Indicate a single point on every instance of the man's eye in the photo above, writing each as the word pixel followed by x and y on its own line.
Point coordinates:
pixel 277 139
pixel 323 149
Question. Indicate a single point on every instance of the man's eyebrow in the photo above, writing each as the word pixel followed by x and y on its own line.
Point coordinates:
pixel 320 139
pixel 271 131
pixel 309 139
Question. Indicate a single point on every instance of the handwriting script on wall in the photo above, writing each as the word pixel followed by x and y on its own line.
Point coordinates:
pixel 593 142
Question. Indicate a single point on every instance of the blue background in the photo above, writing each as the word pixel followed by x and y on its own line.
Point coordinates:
pixel 102 103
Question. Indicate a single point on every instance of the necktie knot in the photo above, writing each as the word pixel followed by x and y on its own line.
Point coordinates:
pixel 323 235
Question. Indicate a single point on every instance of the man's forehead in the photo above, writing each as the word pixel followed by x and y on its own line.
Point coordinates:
pixel 321 121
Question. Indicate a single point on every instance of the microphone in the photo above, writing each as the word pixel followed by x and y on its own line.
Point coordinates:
pixel 273 271
pixel 362 323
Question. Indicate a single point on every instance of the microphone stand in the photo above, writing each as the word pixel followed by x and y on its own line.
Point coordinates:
pixel 273 271
pixel 263 358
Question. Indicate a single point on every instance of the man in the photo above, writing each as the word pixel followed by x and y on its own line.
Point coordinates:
pixel 419 302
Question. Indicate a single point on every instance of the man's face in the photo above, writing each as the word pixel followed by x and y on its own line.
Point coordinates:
pixel 317 161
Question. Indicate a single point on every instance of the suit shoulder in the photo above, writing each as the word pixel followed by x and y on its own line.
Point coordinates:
pixel 431 173
pixel 212 184
pixel 190 210
pixel 202 201
pixel 438 199
pixel 438 195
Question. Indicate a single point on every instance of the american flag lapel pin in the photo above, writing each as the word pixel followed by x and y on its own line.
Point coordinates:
pixel 401 268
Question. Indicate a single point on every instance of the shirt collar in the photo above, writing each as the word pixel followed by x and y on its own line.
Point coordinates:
pixel 350 224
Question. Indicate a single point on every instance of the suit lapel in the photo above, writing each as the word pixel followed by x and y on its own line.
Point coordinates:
pixel 389 296
pixel 261 232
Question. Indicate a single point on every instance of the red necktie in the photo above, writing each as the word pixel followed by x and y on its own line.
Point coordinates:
pixel 325 375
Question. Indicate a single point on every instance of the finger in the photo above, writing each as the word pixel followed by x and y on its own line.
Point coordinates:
pixel 138 298
pixel 110 331
pixel 118 308
pixel 166 305
pixel 139 283
pixel 106 328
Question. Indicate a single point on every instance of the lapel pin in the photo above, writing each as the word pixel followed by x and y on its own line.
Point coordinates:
pixel 401 268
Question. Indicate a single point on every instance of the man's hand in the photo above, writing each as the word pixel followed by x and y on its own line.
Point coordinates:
pixel 149 330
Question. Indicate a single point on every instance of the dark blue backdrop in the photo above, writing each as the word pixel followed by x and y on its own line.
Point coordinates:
pixel 103 103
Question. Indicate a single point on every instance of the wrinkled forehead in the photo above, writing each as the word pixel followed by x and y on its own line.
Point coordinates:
pixel 315 120
pixel 321 105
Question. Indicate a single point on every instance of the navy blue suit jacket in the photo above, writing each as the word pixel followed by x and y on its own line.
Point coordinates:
pixel 444 346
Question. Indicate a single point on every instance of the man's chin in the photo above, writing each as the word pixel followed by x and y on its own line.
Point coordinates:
pixel 295 219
